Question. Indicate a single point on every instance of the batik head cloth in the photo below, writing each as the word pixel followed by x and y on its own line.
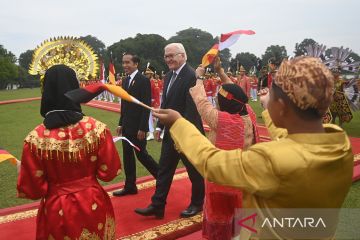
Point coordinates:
pixel 307 82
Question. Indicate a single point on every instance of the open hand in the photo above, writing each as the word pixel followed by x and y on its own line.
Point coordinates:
pixel 18 166
pixel 167 116
pixel 141 135
pixel 119 130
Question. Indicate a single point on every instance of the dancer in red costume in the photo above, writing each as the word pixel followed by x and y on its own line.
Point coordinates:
pixel 61 161
pixel 232 126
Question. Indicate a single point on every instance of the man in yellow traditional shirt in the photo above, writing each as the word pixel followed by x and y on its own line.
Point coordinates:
pixel 307 165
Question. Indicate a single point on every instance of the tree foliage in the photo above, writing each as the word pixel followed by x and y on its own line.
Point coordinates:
pixel 25 59
pixel 196 42
pixel 225 56
pixel 246 59
pixel 5 53
pixel 8 72
pixel 274 51
pixel 98 46
pixel 8 68
pixel 149 47
pixel 300 47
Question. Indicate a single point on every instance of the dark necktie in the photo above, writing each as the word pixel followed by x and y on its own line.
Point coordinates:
pixel 172 80
pixel 128 81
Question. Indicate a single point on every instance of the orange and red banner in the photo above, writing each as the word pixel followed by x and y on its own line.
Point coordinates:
pixel 209 57
pixel 86 94
pixel 5 155
pixel 112 73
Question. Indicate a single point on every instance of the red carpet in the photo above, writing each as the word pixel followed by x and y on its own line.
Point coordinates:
pixel 193 236
pixel 21 221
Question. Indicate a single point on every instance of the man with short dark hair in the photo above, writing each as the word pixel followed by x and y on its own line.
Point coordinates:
pixel 134 123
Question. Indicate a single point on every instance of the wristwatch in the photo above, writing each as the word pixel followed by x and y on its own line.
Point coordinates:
pixel 201 78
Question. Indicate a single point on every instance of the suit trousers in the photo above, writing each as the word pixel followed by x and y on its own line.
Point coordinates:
pixel 169 160
pixel 129 160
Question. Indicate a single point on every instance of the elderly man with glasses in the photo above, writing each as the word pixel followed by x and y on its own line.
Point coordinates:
pixel 178 81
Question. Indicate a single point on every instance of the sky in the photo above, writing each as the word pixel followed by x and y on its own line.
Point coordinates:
pixel 24 24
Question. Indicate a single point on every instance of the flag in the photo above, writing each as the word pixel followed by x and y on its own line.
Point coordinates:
pixel 111 73
pixel 115 139
pixel 228 39
pixel 86 94
pixel 209 57
pixel 5 155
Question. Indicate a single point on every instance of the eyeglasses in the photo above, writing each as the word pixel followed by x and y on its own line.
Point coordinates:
pixel 171 56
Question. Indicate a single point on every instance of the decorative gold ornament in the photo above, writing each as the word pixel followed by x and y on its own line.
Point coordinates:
pixel 70 51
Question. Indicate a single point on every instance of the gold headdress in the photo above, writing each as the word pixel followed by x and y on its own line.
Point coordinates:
pixel 148 70
pixel 242 69
pixel 69 51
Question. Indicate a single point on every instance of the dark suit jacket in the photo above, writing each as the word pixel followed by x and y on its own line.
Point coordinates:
pixel 134 117
pixel 179 98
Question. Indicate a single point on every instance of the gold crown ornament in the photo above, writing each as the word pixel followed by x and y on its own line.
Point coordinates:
pixel 70 51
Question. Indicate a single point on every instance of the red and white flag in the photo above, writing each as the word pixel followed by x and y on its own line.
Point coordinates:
pixel 228 39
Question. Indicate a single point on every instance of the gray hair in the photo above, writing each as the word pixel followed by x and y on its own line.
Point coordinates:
pixel 179 47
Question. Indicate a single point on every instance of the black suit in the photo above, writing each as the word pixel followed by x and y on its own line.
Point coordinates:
pixel 179 99
pixel 135 118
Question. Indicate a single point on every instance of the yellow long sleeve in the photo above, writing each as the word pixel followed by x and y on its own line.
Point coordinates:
pixel 275 132
pixel 250 170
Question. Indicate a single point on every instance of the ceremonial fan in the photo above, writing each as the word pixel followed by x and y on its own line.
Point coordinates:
pixel 340 60
pixel 68 51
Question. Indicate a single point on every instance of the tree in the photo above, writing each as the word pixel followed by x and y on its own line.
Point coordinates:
pixel 25 59
pixel 8 72
pixel 225 56
pixel 246 59
pixel 354 56
pixel 274 51
pixel 98 46
pixel 196 43
pixel 7 54
pixel 26 80
pixel 149 47
pixel 300 47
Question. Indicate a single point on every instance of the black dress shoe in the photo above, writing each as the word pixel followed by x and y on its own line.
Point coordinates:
pixel 151 211
pixel 124 192
pixel 192 210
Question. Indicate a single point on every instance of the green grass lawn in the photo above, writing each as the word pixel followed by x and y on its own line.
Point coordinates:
pixel 16 120
pixel 19 93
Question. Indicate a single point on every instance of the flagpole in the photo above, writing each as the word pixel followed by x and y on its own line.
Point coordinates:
pixel 145 106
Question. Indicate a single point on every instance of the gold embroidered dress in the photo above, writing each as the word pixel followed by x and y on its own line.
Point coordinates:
pixel 60 167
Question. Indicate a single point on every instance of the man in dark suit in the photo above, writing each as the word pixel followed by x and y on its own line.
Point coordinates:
pixel 134 123
pixel 176 96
